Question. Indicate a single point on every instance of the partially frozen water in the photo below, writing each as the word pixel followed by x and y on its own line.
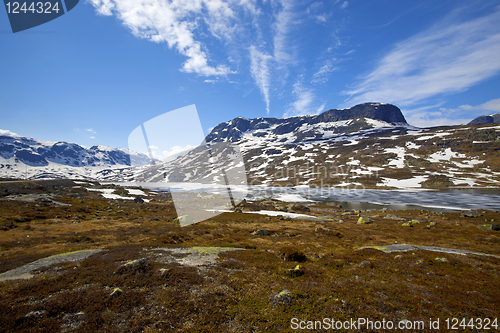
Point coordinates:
pixel 357 198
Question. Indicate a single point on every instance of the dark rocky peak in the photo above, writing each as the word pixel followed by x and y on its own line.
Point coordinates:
pixel 490 119
pixel 378 111
pixel 233 130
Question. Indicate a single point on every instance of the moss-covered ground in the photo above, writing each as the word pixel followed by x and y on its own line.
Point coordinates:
pixel 258 289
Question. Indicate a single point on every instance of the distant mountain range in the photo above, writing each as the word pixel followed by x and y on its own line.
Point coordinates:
pixel 20 156
pixel 369 146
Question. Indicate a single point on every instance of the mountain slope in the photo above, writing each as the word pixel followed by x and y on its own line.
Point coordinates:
pixel 367 146
pixel 489 119
pixel 21 157
pixel 347 153
pixel 232 131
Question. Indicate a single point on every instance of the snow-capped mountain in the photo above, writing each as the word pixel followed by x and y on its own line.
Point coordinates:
pixel 327 124
pixel 29 158
pixel 368 146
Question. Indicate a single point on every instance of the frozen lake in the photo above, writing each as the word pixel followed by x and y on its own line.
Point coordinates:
pixel 446 199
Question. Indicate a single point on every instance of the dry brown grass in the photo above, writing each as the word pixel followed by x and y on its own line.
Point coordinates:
pixel 238 294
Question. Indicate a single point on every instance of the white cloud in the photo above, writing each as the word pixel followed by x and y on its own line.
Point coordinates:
pixel 90 130
pixel 174 152
pixel 303 104
pixel 493 105
pixel 321 76
pixel 424 120
pixel 284 19
pixel 189 27
pixel 344 5
pixel 490 107
pixel 259 69
pixel 8 133
pixel 321 108
pixel 321 18
pixel 449 57
pixel 435 115
pixel 175 23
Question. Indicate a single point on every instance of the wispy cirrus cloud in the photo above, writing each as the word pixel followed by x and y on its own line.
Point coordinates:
pixel 259 69
pixel 323 74
pixel 284 20
pixel 235 23
pixel 305 102
pixel 449 57
pixel 435 115
pixel 175 22
pixel 453 116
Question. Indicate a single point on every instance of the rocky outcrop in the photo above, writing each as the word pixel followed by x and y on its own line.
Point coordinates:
pixel 490 119
pixel 233 130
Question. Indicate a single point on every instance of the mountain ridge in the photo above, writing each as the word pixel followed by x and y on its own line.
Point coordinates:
pixel 488 119
pixel 300 151
pixel 234 128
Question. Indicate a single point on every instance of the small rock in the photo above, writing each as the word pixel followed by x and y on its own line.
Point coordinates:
pixel 394 217
pixel 398 256
pixel 485 227
pixel 442 259
pixel 326 231
pixel 184 220
pixel 155 219
pixel 470 213
pixel 134 266
pixel 36 313
pixel 138 200
pixel 261 232
pixel 365 263
pixel 121 212
pixel 407 224
pixel 364 220
pixel 295 272
pixel 495 227
pixel 284 297
pixel 238 210
pixel 297 206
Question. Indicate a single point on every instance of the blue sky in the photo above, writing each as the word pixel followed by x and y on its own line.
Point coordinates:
pixel 96 73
